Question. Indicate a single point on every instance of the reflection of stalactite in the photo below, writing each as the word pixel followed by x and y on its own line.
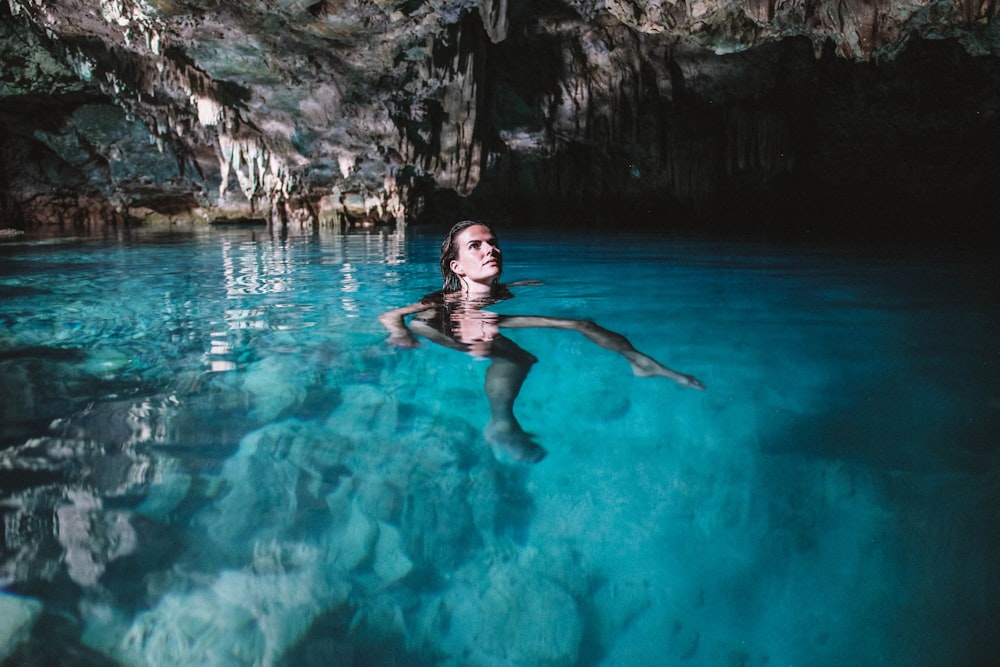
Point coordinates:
pixel 494 15
pixel 67 524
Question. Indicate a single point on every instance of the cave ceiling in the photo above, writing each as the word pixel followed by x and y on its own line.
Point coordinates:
pixel 374 112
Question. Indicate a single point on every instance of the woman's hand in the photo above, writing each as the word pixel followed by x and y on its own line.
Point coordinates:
pixel 395 323
pixel 406 341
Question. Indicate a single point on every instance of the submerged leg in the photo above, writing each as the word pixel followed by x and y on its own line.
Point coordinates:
pixel 509 366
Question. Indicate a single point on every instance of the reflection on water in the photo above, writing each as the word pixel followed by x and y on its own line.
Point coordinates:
pixel 209 456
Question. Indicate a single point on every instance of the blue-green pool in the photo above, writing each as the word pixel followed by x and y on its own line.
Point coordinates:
pixel 210 456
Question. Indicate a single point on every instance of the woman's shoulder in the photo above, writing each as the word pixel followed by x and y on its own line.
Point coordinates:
pixel 434 298
pixel 501 292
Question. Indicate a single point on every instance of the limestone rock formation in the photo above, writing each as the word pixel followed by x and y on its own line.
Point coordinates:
pixel 369 111
pixel 19 615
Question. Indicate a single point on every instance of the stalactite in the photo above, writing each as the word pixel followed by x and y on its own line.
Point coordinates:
pixel 649 16
pixel 346 164
pixel 449 151
pixel 225 154
pixel 757 143
pixel 495 21
pixel 460 151
pixel 187 97
pixel 258 171
pixel 134 21
pixel 82 65
pixel 210 112
pixel 761 11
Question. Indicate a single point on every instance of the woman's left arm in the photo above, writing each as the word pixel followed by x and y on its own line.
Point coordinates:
pixel 642 364
pixel 395 322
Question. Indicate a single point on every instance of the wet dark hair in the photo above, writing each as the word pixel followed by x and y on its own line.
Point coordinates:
pixel 449 251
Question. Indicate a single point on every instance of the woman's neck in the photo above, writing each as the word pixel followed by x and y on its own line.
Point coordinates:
pixel 477 290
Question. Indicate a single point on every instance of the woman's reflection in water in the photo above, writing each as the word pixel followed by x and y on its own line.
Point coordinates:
pixel 456 317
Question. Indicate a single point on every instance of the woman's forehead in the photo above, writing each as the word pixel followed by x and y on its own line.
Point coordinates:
pixel 474 232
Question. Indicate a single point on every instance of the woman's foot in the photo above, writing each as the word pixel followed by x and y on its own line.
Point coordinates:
pixel 511 444
pixel 644 366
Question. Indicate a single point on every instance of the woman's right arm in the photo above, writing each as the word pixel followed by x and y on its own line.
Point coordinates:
pixel 395 323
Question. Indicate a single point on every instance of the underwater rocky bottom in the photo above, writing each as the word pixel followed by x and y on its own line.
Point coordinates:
pixel 210 456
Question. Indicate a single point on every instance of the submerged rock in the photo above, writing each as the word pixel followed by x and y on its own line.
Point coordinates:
pixel 505 614
pixel 392 537
pixel 19 616
pixel 356 542
pixel 277 385
pixel 390 560
pixel 36 390
pixel 242 618
pixel 311 523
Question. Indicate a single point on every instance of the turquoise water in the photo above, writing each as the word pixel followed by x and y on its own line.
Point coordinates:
pixel 210 456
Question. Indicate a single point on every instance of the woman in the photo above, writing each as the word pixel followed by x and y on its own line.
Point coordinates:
pixel 471 264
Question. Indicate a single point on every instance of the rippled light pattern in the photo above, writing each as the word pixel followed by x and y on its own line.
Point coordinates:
pixel 210 456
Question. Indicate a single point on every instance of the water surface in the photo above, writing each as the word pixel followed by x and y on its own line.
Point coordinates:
pixel 209 455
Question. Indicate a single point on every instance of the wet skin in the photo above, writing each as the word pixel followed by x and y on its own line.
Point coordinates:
pixel 458 320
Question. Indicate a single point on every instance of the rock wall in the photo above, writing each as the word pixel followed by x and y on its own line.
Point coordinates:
pixel 610 113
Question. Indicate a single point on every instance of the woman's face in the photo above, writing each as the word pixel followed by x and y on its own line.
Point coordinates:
pixel 479 263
